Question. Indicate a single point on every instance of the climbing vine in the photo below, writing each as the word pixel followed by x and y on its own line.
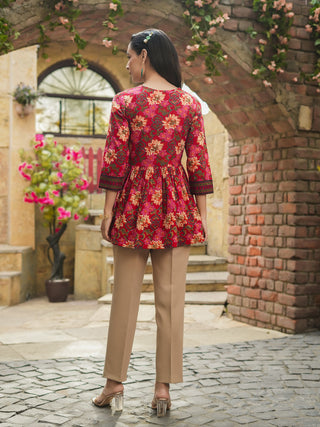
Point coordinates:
pixel 313 27
pixel 269 58
pixel 7 31
pixel 203 18
pixel 63 13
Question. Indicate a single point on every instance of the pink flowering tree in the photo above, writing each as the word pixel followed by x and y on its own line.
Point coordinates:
pixel 56 183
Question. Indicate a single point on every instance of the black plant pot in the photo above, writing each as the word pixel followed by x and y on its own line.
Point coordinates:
pixel 57 289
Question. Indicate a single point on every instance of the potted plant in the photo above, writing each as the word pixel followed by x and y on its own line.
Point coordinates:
pixel 25 97
pixel 56 182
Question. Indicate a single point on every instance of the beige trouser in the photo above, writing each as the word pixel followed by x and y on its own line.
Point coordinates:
pixel 169 278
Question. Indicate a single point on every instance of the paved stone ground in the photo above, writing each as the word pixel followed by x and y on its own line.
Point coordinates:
pixel 274 382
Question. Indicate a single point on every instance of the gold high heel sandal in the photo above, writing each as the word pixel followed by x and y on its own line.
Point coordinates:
pixel 161 404
pixel 107 398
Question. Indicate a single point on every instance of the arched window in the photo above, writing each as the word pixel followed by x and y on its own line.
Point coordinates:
pixel 75 103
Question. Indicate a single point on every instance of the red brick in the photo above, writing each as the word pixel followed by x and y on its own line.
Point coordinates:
pixel 302 312
pixel 254 251
pixel 249 168
pixel 287 299
pixel 235 189
pixel 289 325
pixel 263 317
pixel 252 229
pixel 234 310
pixel 253 293
pixel 234 151
pixel 254 271
pixel 270 252
pixel 256 209
pixel 235 229
pixel 247 313
pixel 241 260
pixel 249 148
pixel 243 12
pixel 269 296
pixel 252 262
pixel 231 25
pixel 234 290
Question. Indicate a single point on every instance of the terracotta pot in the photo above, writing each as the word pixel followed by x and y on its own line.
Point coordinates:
pixel 57 290
pixel 24 110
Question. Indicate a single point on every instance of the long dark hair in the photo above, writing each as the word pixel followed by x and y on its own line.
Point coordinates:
pixel 161 52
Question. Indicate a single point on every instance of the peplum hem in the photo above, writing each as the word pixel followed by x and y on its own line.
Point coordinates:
pixel 156 210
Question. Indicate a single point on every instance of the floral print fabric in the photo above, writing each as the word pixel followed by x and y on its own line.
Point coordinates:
pixel 148 132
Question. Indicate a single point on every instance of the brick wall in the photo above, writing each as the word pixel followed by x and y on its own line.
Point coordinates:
pixel 274 235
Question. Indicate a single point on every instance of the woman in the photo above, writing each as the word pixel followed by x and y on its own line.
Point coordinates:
pixel 150 208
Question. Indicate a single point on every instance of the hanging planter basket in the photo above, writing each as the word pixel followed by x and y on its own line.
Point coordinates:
pixel 24 110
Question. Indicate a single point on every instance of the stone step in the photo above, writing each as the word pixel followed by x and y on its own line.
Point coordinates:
pixel 10 287
pixel 16 261
pixel 196 298
pixel 195 282
pixel 11 257
pixel 196 263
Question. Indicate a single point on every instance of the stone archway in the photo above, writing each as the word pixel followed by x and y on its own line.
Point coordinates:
pixel 274 184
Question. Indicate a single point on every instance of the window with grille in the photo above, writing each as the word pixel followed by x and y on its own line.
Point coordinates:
pixel 74 103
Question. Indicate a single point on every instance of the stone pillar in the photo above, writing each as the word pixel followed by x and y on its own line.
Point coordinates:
pixel 21 66
pixel 4 146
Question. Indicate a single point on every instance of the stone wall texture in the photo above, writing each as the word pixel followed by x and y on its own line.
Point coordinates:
pixel 274 209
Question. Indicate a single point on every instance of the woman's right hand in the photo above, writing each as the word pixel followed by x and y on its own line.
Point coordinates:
pixel 105 227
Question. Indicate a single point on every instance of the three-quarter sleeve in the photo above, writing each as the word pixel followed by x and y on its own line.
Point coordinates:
pixel 116 152
pixel 199 172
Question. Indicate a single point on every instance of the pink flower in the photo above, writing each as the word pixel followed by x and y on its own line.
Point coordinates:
pixel 188 63
pixel 63 20
pixel 255 72
pixel 212 31
pixel 258 52
pixel 59 5
pixel 266 83
pixel 56 193
pixel 64 214
pixel 85 184
pixel 295 79
pixel 59 175
pixel 186 12
pixel 290 15
pixel 198 3
pixel 39 137
pixel 113 6
pixel 308 28
pixel 76 216
pixel 208 80
pixel 261 41
pixel 39 145
pixel 107 43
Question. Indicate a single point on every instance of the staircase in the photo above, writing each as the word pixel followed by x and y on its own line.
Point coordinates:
pixel 16 274
pixel 205 272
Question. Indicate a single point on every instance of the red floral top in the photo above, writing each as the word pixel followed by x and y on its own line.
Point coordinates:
pixel 148 131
